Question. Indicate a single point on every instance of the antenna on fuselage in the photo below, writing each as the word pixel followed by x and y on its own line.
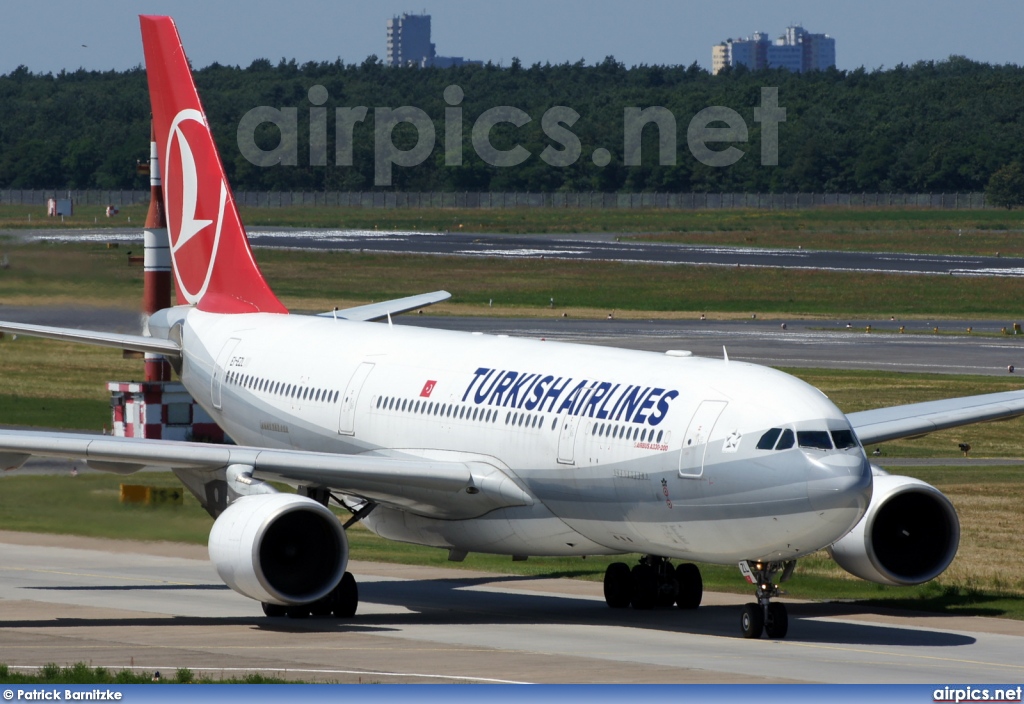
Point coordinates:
pixel 389 320
pixel 725 353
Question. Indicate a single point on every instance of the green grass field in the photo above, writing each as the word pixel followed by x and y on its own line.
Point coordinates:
pixel 26 217
pixel 92 274
pixel 56 384
pixel 313 280
pixel 918 230
pixel 83 673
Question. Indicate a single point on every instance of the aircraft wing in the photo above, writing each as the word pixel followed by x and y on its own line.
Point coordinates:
pixel 882 424
pixel 136 343
pixel 440 489
pixel 378 311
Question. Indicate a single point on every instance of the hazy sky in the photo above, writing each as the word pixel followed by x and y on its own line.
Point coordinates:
pixel 48 35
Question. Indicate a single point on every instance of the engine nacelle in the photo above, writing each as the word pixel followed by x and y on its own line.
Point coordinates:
pixel 909 534
pixel 279 548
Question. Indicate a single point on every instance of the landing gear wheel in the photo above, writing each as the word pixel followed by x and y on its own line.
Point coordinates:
pixel 752 620
pixel 668 587
pixel 345 597
pixel 298 611
pixel 776 621
pixel 645 587
pixel 691 586
pixel 274 610
pixel 770 617
pixel 321 607
pixel 617 585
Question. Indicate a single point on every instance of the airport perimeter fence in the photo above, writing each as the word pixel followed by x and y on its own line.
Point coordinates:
pixel 609 201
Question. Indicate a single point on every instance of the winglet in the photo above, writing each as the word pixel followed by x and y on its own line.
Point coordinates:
pixel 213 264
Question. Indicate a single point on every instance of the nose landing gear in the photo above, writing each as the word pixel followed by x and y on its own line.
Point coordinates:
pixel 764 616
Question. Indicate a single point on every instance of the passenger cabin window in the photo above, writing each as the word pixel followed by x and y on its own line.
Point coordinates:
pixel 814 439
pixel 844 439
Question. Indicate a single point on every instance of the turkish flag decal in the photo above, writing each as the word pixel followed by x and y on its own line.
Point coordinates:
pixel 428 389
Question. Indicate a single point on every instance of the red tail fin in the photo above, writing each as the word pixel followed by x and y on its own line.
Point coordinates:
pixel 213 264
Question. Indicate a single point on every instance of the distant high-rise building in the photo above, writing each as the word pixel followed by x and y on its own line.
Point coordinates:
pixel 409 44
pixel 721 56
pixel 409 41
pixel 797 50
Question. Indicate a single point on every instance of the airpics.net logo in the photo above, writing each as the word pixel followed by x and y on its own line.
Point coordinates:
pixel 973 695
pixel 711 135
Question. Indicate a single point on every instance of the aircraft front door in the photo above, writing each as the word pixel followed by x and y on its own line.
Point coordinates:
pixel 695 441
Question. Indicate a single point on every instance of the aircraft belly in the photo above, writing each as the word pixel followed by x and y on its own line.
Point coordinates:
pixel 728 514
pixel 521 530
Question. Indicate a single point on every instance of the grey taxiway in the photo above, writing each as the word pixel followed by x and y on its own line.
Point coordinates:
pixel 158 606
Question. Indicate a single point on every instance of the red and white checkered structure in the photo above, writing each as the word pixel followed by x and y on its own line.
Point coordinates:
pixel 159 410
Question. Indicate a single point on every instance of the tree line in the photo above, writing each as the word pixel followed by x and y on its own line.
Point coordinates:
pixel 943 126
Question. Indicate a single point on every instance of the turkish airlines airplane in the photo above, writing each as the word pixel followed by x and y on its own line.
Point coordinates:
pixel 477 443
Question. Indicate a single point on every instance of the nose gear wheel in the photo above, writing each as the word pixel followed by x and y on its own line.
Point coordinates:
pixel 765 617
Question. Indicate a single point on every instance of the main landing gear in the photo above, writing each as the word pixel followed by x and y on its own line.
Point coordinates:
pixel 764 616
pixel 652 582
pixel 341 602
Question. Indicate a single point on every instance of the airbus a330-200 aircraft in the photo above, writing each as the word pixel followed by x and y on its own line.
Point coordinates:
pixel 477 443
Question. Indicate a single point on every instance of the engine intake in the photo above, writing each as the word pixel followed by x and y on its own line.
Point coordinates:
pixel 279 548
pixel 909 534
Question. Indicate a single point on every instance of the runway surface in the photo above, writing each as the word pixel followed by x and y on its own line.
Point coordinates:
pixel 592 246
pixel 65 600
pixel 814 344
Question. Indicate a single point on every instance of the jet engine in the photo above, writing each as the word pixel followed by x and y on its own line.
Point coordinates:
pixel 909 534
pixel 279 549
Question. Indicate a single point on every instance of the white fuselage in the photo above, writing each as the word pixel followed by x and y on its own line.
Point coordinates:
pixel 622 451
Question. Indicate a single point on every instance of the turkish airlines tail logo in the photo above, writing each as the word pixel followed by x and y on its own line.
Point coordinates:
pixel 188 231
pixel 213 264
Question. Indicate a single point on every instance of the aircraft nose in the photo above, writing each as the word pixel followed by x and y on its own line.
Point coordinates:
pixel 839 481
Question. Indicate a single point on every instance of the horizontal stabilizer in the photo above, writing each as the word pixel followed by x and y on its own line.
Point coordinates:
pixel 135 343
pixel 883 424
pixel 379 311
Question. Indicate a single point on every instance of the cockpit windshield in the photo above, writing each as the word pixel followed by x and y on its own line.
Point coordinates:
pixel 776 439
pixel 814 439
pixel 844 439
pixel 767 441
pixel 784 439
